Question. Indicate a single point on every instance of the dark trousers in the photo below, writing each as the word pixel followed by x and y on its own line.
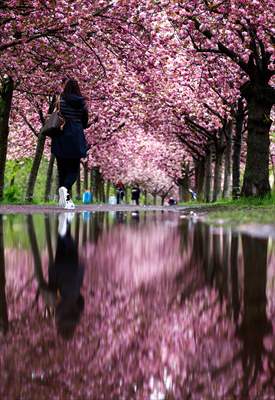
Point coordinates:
pixel 68 170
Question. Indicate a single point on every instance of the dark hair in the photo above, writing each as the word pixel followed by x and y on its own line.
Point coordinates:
pixel 70 88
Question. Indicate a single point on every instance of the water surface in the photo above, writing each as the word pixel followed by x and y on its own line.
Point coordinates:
pixel 135 306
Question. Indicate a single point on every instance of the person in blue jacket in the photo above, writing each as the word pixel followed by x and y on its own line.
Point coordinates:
pixel 70 145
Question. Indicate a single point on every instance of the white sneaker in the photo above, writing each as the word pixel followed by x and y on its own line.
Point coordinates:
pixel 69 205
pixel 63 192
pixel 62 224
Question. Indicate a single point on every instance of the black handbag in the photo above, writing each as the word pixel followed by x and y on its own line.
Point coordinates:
pixel 54 123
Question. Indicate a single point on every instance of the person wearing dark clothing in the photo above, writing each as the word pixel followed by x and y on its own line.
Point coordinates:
pixel 66 278
pixel 68 171
pixel 70 146
pixel 120 191
pixel 136 194
pixel 172 201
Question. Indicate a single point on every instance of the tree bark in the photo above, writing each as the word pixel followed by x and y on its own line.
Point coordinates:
pixel 227 162
pixel 95 183
pixel 145 197
pixel 49 178
pixel 184 184
pixel 91 182
pixel 199 177
pixel 208 175
pixel 35 166
pixel 6 92
pixel 217 175
pixel 127 195
pixel 4 322
pixel 256 176
pixel 108 187
pixel 56 179
pixel 219 151
pixel 237 145
pixel 154 199
pixel 78 187
pixel 86 176
pixel 102 197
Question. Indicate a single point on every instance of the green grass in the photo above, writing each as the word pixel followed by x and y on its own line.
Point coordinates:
pixel 16 179
pixel 243 210
pixel 241 202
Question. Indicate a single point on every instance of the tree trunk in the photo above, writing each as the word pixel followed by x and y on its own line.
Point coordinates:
pixel 145 197
pixel 208 175
pixel 154 199
pixel 91 182
pixel 256 176
pixel 108 187
pixel 102 196
pixel 4 323
pixel 186 183
pixel 78 187
pixel 184 194
pixel 227 162
pixel 162 200
pixel 95 183
pixel 35 166
pixel 199 177
pixel 237 145
pixel 218 175
pixel 127 195
pixel 86 177
pixel 49 178
pixel 6 92
pixel 56 179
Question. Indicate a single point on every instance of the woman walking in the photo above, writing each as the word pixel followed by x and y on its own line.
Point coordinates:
pixel 70 146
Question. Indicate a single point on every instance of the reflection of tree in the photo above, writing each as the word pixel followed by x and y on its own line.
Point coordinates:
pixel 96 226
pixel 234 276
pixel 3 301
pixel 48 237
pixel 48 298
pixel 255 324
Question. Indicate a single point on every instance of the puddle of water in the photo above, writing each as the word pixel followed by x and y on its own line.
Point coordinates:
pixel 135 306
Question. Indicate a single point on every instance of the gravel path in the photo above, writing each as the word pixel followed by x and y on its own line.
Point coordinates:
pixel 30 209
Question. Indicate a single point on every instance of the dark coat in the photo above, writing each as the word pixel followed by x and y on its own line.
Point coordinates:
pixel 71 143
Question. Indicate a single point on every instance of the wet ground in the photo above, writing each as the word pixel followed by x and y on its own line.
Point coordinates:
pixel 135 305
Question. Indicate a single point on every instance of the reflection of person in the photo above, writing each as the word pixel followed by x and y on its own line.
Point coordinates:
pixel 119 192
pixel 136 194
pixel 70 146
pixel 65 279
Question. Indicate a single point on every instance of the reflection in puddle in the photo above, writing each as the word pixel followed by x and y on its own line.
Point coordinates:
pixel 173 309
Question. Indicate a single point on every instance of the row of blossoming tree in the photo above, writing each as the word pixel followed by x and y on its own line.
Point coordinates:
pixel 180 92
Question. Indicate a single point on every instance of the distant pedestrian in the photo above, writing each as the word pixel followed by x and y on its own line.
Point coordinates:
pixel 136 194
pixel 193 194
pixel 120 192
pixel 70 145
pixel 172 201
